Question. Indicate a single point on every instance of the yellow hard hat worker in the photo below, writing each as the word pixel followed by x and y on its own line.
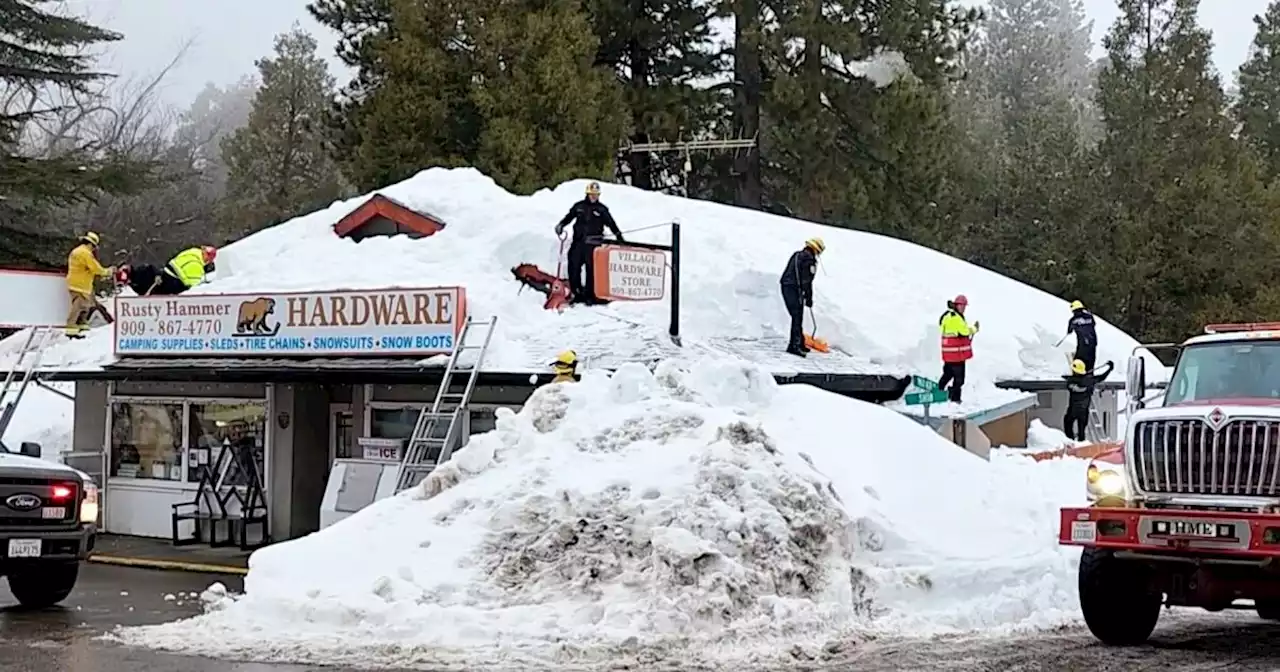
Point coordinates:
pixel 565 366
pixel 593 189
pixel 1077 366
pixel 816 245
pixel 91 238
pixel 1076 305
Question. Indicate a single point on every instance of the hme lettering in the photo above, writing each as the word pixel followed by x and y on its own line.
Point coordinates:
pixel 357 310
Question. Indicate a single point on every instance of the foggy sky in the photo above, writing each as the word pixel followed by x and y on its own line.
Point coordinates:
pixel 229 35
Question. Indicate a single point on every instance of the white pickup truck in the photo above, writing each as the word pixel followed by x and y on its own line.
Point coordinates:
pixel 48 525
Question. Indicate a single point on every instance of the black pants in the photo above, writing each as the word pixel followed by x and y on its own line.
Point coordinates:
pixel 1076 419
pixel 147 280
pixel 952 372
pixel 795 308
pixel 579 261
pixel 1087 354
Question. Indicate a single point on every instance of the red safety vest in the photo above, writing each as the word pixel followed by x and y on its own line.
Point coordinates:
pixel 955 348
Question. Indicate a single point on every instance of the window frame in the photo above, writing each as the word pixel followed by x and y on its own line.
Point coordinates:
pixel 366 429
pixel 186 403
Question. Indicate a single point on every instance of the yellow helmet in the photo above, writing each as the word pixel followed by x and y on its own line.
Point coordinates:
pixel 1077 366
pixel 566 360
pixel 1076 305
pixel 90 237
pixel 816 245
pixel 593 189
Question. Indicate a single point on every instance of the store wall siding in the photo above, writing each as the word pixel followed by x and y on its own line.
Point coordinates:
pixel 143 388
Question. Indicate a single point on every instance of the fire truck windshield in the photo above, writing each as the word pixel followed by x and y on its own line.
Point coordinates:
pixel 1226 370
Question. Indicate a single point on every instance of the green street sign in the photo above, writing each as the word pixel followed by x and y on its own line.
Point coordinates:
pixel 924 383
pixel 925 398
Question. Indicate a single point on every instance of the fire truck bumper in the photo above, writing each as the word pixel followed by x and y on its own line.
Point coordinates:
pixel 1174 532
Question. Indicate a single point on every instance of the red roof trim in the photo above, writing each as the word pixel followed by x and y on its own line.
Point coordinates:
pixel 386 207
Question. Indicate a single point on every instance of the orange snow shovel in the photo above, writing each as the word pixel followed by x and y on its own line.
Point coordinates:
pixel 812 341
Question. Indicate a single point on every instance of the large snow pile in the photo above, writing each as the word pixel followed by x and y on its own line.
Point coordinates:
pixel 699 516
pixel 878 299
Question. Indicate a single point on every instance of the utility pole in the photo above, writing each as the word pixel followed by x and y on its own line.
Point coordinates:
pixel 686 147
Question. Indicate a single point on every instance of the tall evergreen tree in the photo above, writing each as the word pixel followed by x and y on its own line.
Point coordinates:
pixel 1257 106
pixel 38 52
pixel 278 164
pixel 1181 210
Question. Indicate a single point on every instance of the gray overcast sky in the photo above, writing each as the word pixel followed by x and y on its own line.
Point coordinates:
pixel 230 35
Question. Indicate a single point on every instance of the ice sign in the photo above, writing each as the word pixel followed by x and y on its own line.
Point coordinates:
pixel 624 273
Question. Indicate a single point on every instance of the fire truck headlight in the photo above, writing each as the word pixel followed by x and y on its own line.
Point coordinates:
pixel 1105 482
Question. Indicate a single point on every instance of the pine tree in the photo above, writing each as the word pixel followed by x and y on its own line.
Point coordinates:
pixel 1182 211
pixel 1258 104
pixel 549 113
pixel 278 163
pixel 662 53
pixel 38 52
pixel 361 25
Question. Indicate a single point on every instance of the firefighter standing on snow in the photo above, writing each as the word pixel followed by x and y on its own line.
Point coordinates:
pixel 83 268
pixel 1080 386
pixel 1085 328
pixel 589 217
pixel 797 290
pixel 957 346
pixel 566 367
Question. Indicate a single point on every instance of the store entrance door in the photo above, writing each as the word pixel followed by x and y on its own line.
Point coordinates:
pixel 342 433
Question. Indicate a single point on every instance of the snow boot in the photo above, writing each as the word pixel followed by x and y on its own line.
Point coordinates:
pixel 798 351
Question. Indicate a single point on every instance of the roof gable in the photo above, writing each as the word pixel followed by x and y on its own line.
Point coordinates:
pixel 384 216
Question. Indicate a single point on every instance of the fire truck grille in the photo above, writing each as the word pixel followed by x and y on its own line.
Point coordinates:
pixel 1186 456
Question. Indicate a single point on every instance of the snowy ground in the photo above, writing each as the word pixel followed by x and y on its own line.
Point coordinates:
pixel 878 299
pixel 692 516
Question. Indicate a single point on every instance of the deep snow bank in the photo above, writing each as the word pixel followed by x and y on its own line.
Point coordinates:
pixel 698 516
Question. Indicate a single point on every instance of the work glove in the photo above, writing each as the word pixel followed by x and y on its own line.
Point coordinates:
pixel 560 230
pixel 808 302
pixel 977 326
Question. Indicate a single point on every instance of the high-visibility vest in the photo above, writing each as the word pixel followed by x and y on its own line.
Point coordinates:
pixel 957 338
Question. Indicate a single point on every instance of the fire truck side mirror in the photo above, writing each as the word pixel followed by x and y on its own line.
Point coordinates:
pixel 1135 382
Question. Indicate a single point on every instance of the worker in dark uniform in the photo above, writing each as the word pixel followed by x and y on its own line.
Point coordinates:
pixel 797 290
pixel 1080 386
pixel 1085 328
pixel 589 217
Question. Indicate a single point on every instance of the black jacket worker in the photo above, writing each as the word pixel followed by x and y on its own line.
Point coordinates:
pixel 797 290
pixel 1085 328
pixel 1080 386
pixel 589 217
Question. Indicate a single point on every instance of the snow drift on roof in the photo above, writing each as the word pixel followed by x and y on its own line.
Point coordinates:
pixel 878 299
pixel 682 517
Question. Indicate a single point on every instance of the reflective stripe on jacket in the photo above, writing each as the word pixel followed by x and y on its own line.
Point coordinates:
pixel 957 338
pixel 188 266
pixel 82 269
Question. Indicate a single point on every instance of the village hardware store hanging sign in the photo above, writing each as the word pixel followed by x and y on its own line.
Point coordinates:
pixel 389 323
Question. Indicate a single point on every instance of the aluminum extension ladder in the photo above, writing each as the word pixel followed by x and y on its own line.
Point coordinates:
pixel 21 373
pixel 1096 430
pixel 425 450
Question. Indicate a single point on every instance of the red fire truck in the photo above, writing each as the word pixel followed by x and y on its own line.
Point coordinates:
pixel 1186 511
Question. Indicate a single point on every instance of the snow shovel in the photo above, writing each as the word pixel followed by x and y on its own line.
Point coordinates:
pixel 812 341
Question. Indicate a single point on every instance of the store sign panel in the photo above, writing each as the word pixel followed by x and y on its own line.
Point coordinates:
pixel 388 323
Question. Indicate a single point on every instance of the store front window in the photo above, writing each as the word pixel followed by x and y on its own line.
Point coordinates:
pixel 393 423
pixel 146 440
pixel 228 443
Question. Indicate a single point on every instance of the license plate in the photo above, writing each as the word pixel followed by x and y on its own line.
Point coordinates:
pixel 24 548
pixel 53 512
pixel 1084 531
pixel 1191 528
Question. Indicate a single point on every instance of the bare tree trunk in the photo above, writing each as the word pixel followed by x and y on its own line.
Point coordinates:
pixel 748 91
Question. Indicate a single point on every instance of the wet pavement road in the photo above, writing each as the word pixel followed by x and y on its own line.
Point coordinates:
pixel 64 640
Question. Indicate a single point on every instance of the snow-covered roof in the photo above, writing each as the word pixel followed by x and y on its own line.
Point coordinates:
pixel 878 299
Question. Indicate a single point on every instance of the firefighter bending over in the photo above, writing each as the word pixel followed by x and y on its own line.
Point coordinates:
pixel 589 217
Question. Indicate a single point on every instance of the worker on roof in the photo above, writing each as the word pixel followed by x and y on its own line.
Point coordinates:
pixel 1085 328
pixel 1080 385
pixel 797 290
pixel 188 266
pixel 83 268
pixel 957 346
pixel 589 217
pixel 566 367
